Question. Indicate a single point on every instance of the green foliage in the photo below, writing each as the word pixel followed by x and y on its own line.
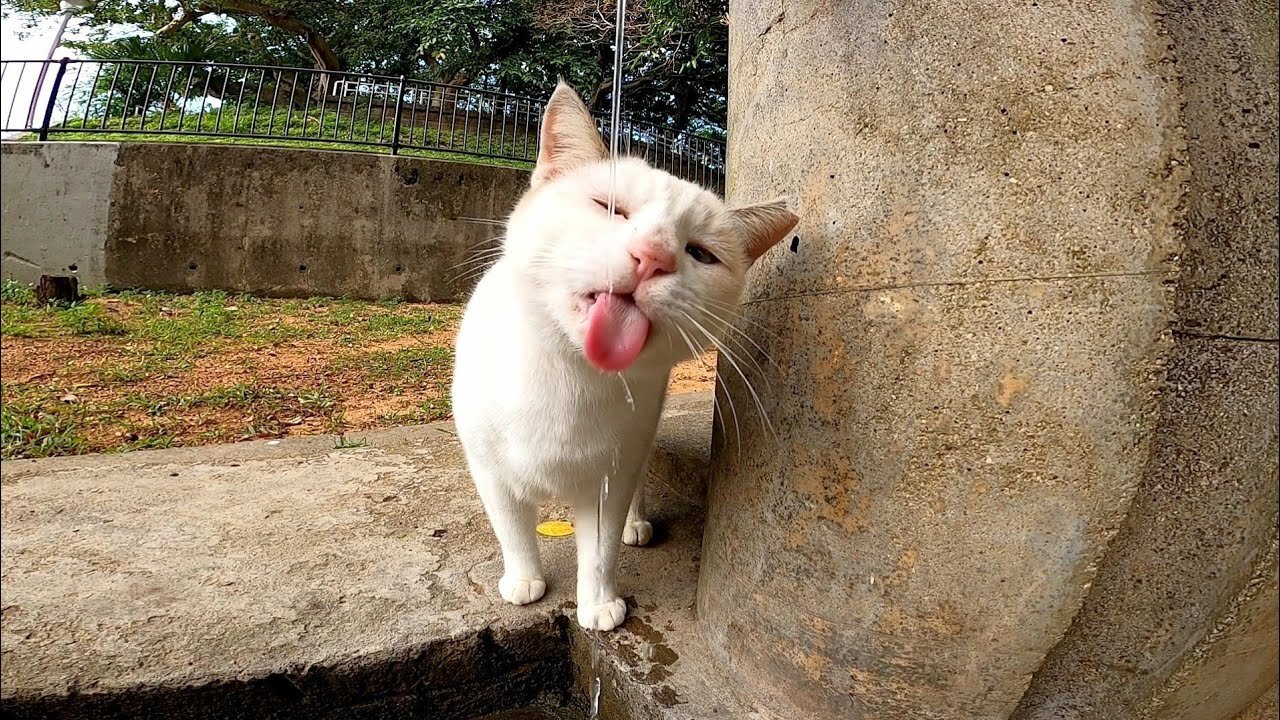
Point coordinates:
pixel 675 73
pixel 13 292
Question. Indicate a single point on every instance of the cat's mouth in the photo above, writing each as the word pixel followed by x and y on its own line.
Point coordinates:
pixel 617 330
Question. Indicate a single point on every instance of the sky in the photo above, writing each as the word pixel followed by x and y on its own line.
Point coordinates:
pixel 15 91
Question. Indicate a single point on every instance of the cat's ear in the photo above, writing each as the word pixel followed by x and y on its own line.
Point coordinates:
pixel 763 225
pixel 568 139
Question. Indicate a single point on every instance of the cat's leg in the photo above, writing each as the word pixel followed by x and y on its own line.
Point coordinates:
pixel 599 607
pixel 514 519
pixel 637 530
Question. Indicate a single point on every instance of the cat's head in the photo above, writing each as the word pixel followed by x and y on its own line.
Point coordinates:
pixel 648 285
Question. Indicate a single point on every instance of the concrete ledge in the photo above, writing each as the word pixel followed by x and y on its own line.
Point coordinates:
pixel 271 221
pixel 298 580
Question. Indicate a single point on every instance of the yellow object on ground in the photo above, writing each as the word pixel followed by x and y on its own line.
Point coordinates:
pixel 555 528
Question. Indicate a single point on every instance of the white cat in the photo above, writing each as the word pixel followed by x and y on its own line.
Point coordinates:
pixel 568 341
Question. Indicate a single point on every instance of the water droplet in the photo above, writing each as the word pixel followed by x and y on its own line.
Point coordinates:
pixel 631 401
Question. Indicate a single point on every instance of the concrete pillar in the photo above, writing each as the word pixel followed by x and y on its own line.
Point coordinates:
pixel 968 344
pixel 1180 624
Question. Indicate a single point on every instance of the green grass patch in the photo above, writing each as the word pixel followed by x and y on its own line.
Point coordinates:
pixel 313 130
pixel 86 320
pixel 145 368
pixel 30 431
pixel 14 293
pixel 410 365
pixel 20 316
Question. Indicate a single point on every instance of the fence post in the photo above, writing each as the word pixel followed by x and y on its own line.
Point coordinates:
pixel 395 124
pixel 53 95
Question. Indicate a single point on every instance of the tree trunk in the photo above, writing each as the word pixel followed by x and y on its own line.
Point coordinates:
pixel 57 289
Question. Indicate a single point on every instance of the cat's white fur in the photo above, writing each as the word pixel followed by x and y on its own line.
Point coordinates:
pixel 536 418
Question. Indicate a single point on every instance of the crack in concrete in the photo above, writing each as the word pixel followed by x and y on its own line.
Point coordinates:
pixel 951 283
pixel 10 255
pixel 782 15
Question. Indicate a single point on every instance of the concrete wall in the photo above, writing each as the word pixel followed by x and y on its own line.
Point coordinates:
pixel 984 498
pixel 278 222
pixel 54 203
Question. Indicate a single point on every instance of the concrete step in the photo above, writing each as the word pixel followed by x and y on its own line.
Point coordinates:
pixel 293 579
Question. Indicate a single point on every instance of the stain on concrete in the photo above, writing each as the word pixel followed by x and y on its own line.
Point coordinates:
pixel 1010 386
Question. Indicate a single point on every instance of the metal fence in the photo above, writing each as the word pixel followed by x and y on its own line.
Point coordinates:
pixel 296 106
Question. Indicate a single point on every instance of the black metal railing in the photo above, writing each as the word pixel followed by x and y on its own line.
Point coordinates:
pixel 72 99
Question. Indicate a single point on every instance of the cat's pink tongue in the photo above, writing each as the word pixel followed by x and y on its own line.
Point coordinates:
pixel 616 332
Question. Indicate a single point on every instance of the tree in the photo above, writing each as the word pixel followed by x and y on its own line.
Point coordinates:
pixel 674 73
pixel 296 19
pixel 677 54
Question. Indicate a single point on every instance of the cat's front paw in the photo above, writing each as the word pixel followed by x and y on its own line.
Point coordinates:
pixel 604 616
pixel 521 591
pixel 637 532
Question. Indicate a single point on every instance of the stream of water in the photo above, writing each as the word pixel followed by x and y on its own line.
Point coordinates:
pixel 615 122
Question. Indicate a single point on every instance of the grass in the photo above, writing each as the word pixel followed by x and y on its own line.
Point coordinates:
pixel 284 128
pixel 32 433
pixel 129 370
pixel 409 365
pixel 133 370
pixel 346 443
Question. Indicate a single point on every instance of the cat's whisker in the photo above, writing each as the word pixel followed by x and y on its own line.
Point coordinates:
pixel 471 273
pixel 481 221
pixel 728 325
pixel 494 243
pixel 704 364
pixel 496 238
pixel 480 253
pixel 755 366
pixel 461 280
pixel 734 312
pixel 759 405
pixel 487 255
pixel 715 400
pixel 729 355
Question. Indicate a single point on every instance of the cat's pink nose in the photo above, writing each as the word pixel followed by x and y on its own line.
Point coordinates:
pixel 652 259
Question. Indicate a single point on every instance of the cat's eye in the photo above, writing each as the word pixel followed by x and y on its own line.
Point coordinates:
pixel 617 209
pixel 701 254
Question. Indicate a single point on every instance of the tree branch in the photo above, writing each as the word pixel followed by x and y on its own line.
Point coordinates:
pixel 185 17
pixel 323 54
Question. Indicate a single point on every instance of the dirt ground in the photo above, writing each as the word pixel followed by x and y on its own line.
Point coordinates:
pixel 147 370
